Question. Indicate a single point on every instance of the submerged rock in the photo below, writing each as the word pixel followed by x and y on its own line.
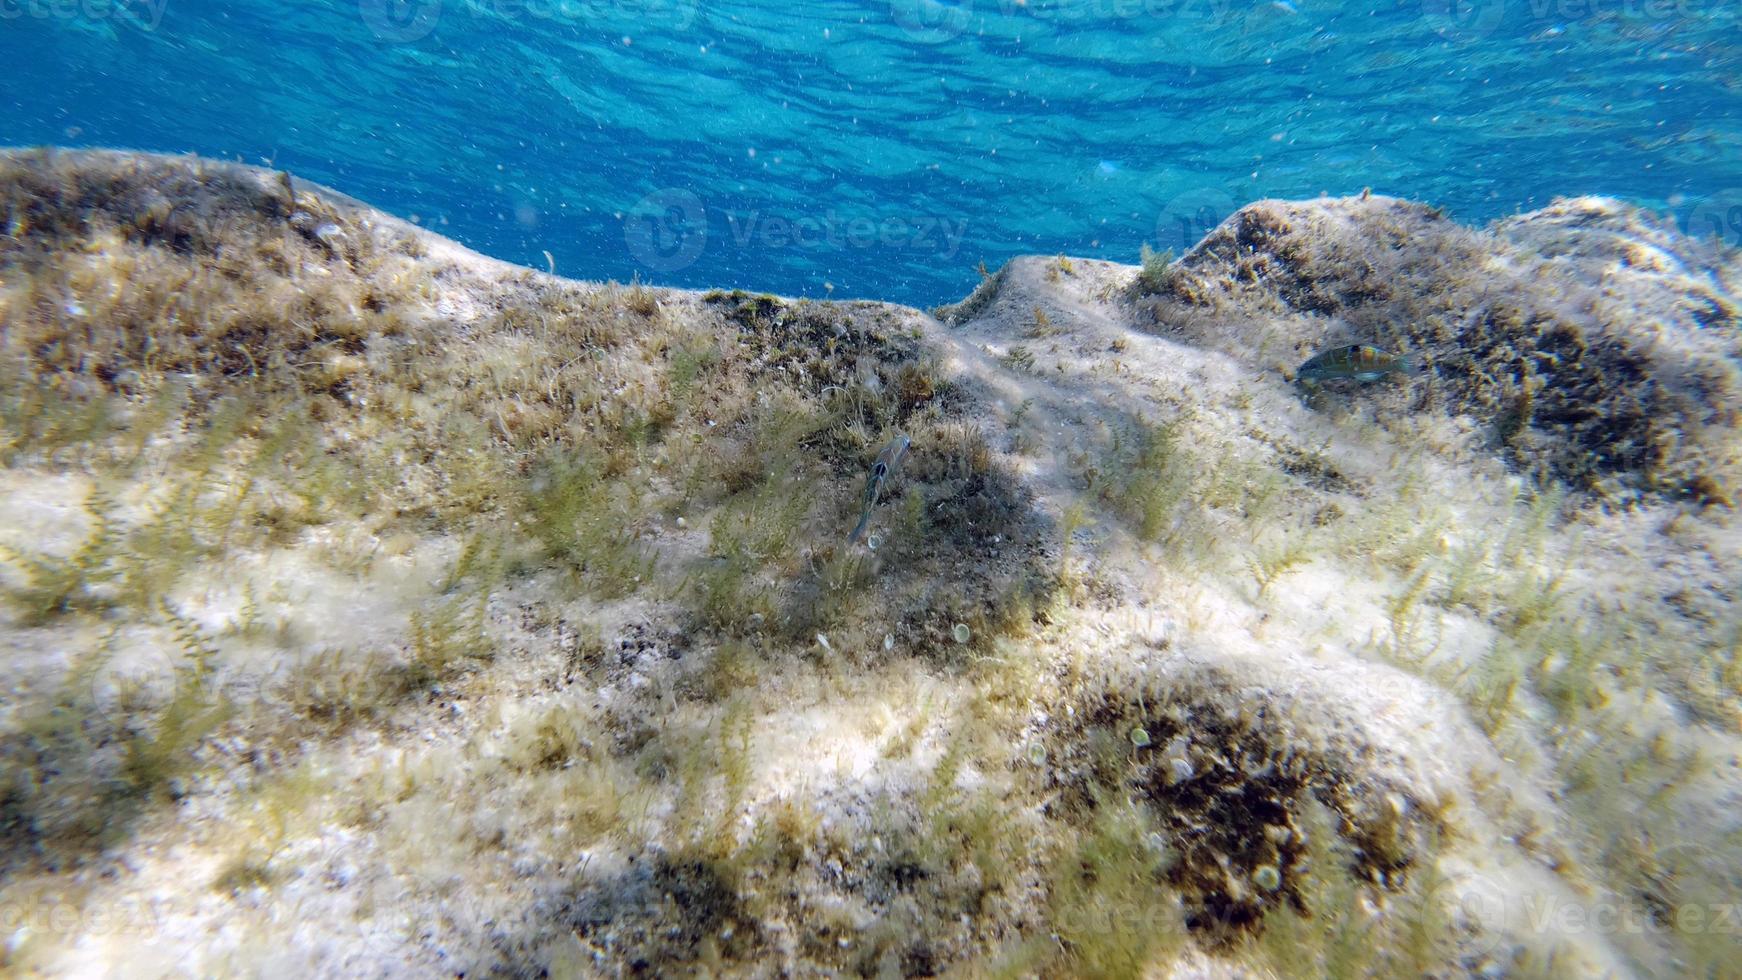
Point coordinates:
pixel 402 610
pixel 1595 345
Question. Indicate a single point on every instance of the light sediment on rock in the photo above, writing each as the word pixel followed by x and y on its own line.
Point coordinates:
pixel 499 623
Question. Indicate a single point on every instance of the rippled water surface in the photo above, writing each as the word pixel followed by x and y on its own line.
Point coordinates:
pixel 886 148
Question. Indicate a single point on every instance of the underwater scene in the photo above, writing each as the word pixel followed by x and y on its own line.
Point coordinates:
pixel 883 488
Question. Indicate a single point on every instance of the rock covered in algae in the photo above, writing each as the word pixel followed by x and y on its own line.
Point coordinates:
pixel 394 609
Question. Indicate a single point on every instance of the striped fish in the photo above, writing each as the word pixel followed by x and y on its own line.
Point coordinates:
pixel 1357 361
pixel 886 462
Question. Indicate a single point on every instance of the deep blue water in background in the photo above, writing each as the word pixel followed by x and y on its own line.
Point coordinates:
pixel 885 147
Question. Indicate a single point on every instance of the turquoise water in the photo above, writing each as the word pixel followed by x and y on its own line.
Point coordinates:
pixel 878 148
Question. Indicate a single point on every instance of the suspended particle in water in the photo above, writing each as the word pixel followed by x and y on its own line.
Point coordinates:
pixel 888 642
pixel 961 632
pixel 1037 753
pixel 1140 737
pixel 1267 877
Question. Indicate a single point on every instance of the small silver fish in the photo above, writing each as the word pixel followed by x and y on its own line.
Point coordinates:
pixel 886 462
pixel 1357 361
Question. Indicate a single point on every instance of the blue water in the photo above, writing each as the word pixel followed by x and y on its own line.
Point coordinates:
pixel 886 147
